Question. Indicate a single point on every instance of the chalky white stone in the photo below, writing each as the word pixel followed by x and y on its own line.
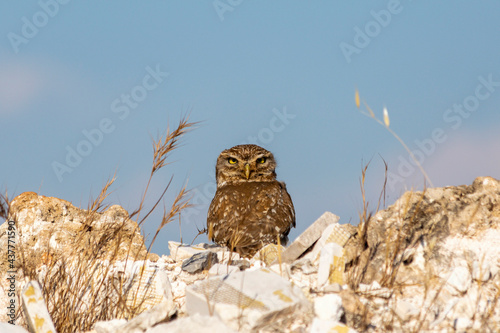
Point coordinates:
pixel 194 323
pixel 460 279
pixel 404 310
pixel 329 260
pixel 222 269
pixel 334 233
pixel 322 326
pixel 328 307
pixel 8 328
pixel 308 237
pixel 244 299
pixel 35 310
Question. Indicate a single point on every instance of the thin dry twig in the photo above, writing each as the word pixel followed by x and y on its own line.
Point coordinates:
pixel 4 205
pixel 181 202
pixel 79 287
pixel 385 123
pixel 200 232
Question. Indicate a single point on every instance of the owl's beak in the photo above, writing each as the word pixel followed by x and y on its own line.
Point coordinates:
pixel 247 170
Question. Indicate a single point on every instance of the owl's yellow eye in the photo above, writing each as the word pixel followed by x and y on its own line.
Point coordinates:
pixel 232 160
pixel 261 160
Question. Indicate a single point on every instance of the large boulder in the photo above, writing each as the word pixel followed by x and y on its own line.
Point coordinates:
pixel 432 258
pixel 67 248
pixel 51 226
pixel 422 224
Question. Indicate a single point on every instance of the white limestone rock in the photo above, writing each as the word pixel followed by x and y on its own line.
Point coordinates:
pixel 405 310
pixel 9 328
pixel 460 279
pixel 194 323
pixel 330 262
pixel 308 237
pixel 481 271
pixel 140 323
pixel 179 251
pixel 334 233
pixel 35 311
pixel 222 269
pixel 328 307
pixel 322 326
pixel 462 324
pixel 332 288
pixel 109 326
pixel 245 300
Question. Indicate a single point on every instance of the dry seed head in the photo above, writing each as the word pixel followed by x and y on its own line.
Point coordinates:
pixel 386 117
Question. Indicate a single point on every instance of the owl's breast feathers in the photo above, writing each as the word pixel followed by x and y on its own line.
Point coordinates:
pixel 247 215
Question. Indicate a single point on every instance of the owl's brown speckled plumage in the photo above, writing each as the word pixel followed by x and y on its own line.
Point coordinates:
pixel 250 207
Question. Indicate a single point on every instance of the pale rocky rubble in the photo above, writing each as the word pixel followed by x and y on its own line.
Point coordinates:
pixel 430 263
pixel 438 253
pixel 53 224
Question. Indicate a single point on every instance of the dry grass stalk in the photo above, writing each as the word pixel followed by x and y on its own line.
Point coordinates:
pixel 79 287
pixel 4 205
pixel 396 242
pixel 162 147
pixel 200 232
pixel 180 203
pixel 279 254
pixel 386 124
pixel 412 217
pixel 490 310
pixel 357 273
pixel 404 239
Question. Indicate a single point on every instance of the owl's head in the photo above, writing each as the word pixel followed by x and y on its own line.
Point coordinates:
pixel 245 163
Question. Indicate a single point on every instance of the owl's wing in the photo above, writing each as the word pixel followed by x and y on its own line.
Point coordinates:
pixel 248 215
pixel 271 207
pixel 288 203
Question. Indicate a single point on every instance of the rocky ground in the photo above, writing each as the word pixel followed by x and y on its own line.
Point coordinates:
pixel 428 263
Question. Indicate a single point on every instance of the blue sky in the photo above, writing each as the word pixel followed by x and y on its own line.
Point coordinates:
pixel 281 74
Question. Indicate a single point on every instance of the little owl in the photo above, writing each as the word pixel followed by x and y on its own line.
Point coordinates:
pixel 250 208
